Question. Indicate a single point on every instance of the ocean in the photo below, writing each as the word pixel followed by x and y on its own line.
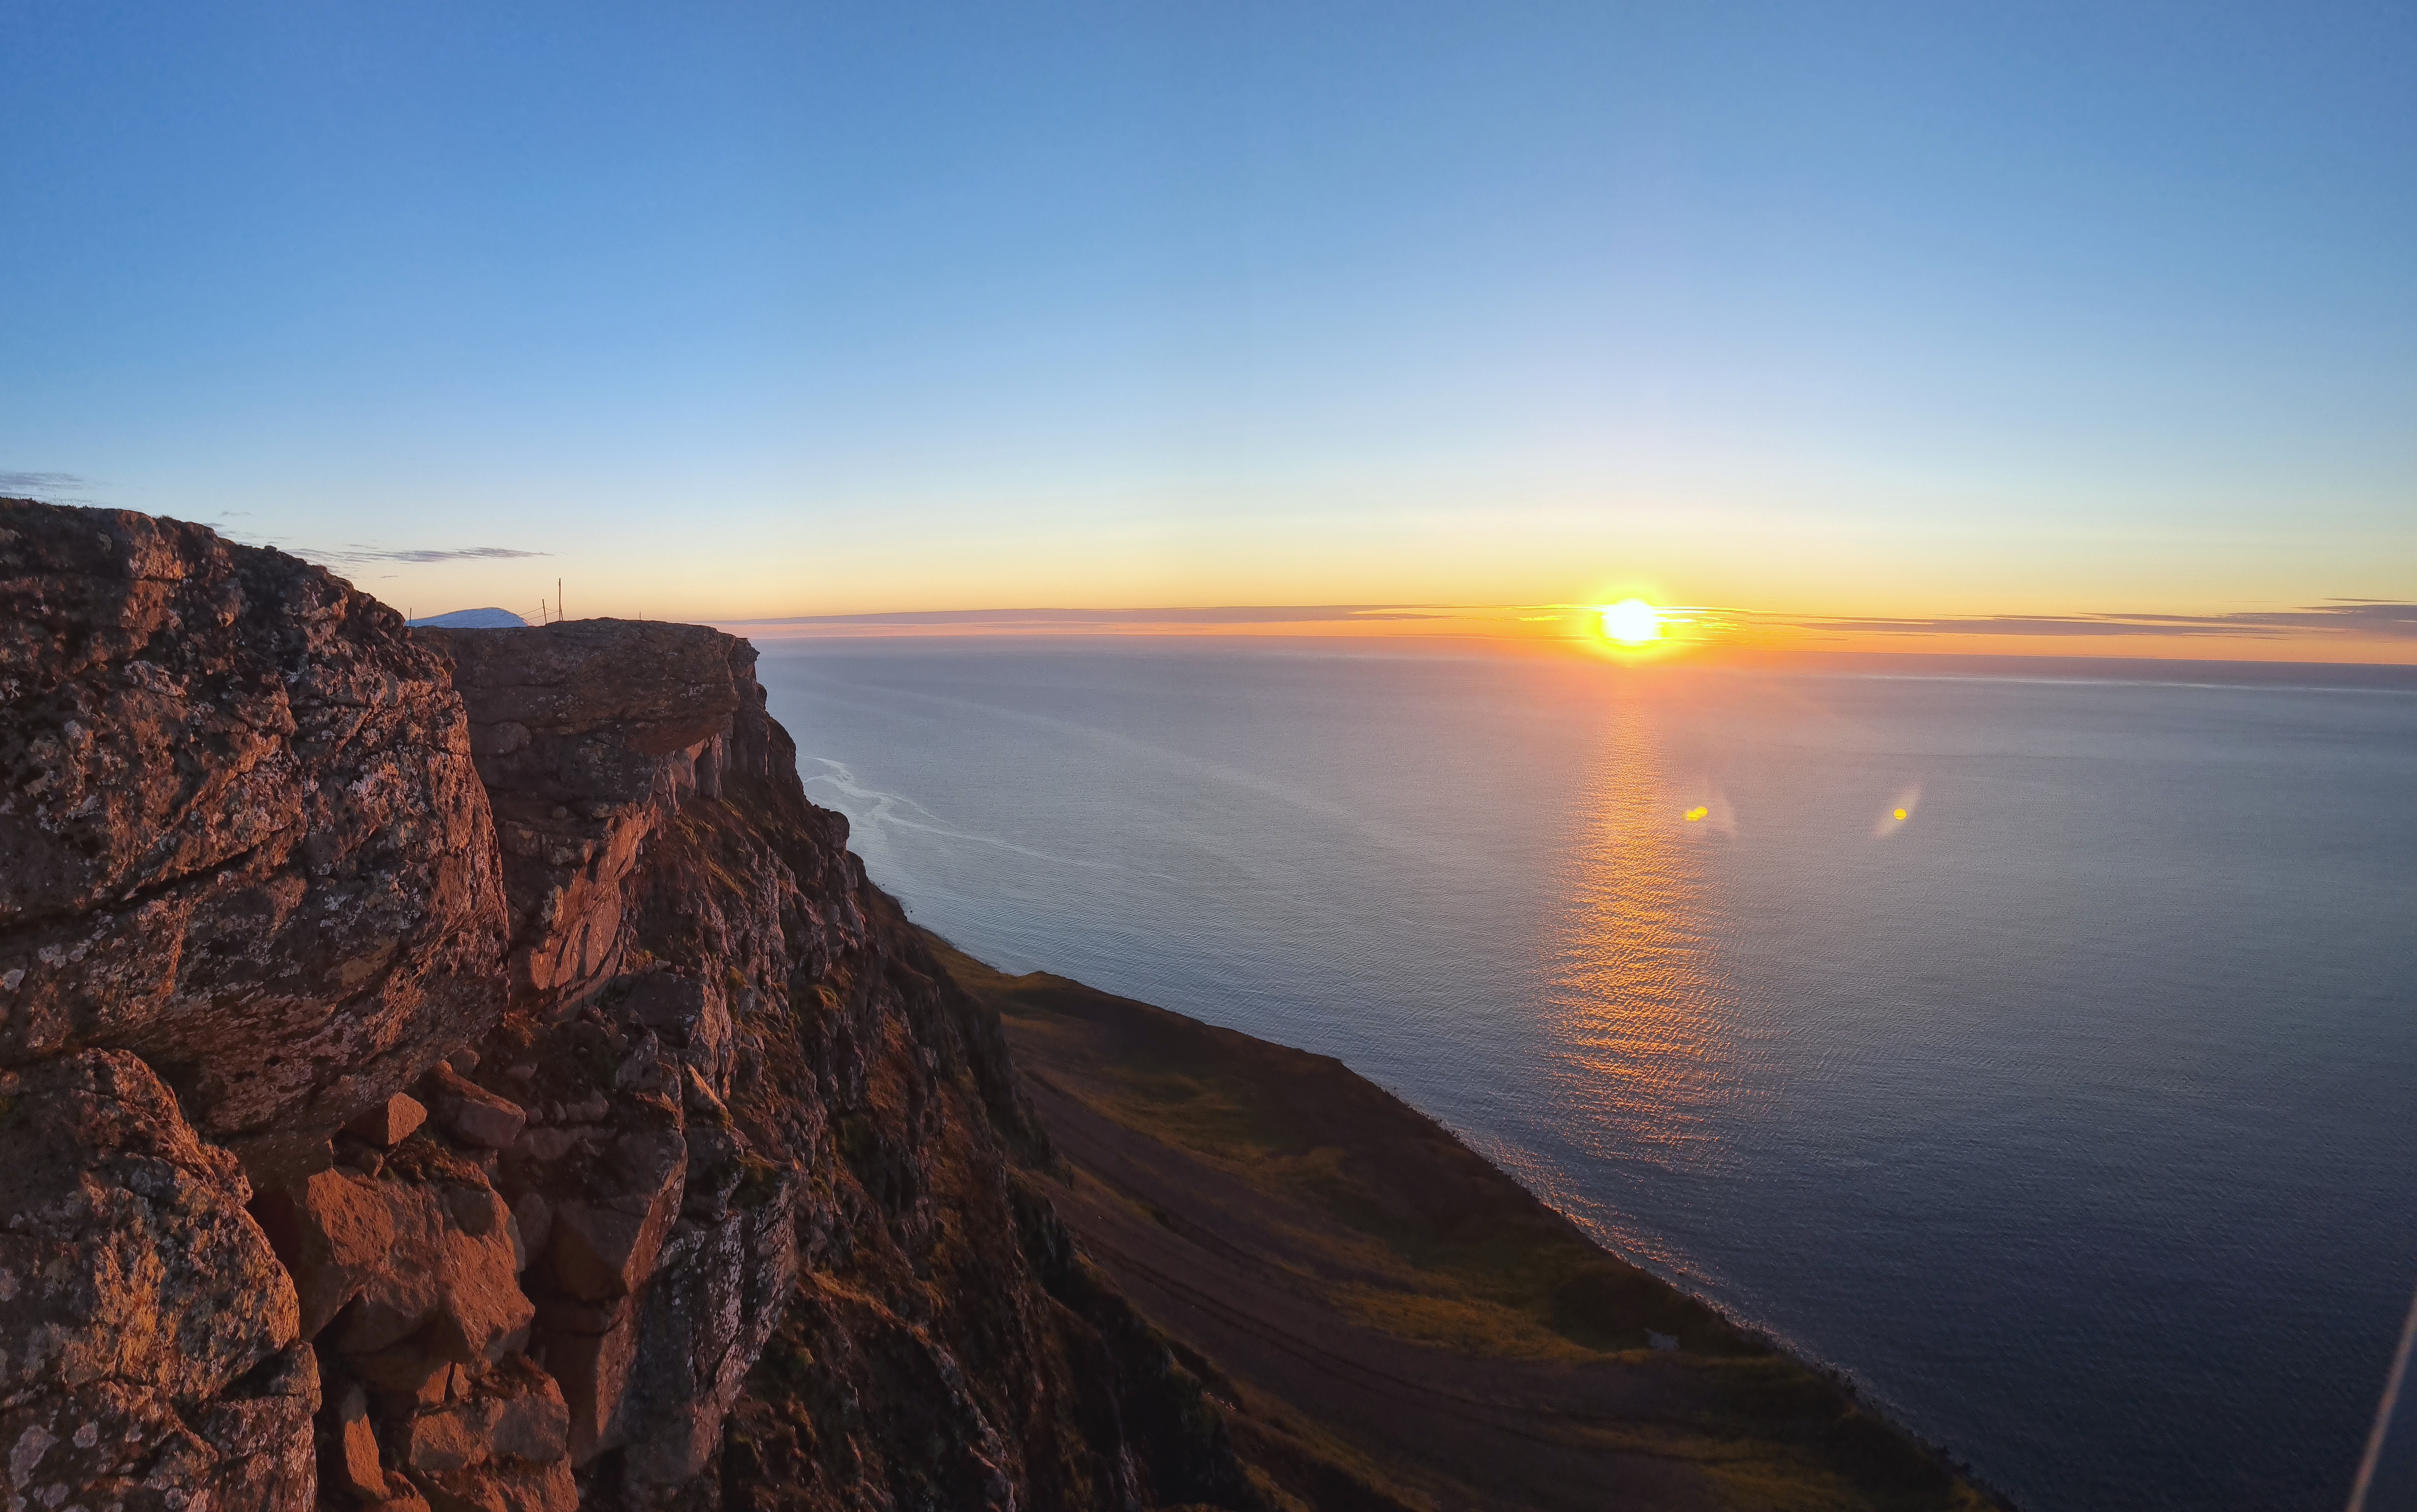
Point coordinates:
pixel 2039 1052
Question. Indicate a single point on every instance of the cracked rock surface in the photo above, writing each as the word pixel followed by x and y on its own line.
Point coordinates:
pixel 147 1336
pixel 450 1070
pixel 243 836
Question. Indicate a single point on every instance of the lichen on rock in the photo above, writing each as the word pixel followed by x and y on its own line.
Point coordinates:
pixel 547 1059
pixel 149 1338
pixel 242 833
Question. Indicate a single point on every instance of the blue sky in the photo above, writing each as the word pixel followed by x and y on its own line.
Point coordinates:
pixel 736 311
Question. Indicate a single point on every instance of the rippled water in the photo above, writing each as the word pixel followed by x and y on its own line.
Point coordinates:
pixel 2074 1113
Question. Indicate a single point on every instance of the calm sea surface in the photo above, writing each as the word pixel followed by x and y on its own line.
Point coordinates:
pixel 2074 1114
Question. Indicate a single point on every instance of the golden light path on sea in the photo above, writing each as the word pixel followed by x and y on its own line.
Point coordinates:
pixel 1638 1006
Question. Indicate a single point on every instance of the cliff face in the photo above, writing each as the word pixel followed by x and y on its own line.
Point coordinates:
pixel 461 1069
pixel 241 832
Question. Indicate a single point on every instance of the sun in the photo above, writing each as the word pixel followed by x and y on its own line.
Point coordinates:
pixel 1633 622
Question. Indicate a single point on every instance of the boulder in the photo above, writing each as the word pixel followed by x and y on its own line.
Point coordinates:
pixel 595 1372
pixel 334 1231
pixel 503 1445
pixel 471 1113
pixel 532 1425
pixel 533 1217
pixel 354 1453
pixel 605 1242
pixel 503 1488
pixel 390 1122
pixel 149 1337
pixel 450 1273
pixel 606 1237
pixel 404 1377
pixel 243 831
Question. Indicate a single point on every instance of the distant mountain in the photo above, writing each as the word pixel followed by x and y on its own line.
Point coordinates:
pixel 473 619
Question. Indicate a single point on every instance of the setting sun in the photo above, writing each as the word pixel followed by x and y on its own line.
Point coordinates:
pixel 1633 622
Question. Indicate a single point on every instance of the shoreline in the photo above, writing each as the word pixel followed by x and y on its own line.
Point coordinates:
pixel 1838 1376
pixel 1346 1264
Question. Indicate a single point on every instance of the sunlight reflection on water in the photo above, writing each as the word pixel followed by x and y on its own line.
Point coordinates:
pixel 2074 1113
pixel 1637 1016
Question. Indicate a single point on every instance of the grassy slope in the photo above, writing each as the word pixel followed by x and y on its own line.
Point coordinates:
pixel 1330 1195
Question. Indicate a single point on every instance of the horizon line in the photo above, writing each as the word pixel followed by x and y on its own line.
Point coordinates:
pixel 2342 631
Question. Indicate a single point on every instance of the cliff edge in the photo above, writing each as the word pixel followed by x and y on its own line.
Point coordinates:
pixel 456 1068
pixel 435 1064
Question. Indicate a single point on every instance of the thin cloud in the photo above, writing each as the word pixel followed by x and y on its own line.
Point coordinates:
pixel 2361 617
pixel 466 553
pixel 43 484
pixel 1237 615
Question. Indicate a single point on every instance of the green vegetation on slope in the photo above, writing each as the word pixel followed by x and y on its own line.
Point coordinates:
pixel 1309 1186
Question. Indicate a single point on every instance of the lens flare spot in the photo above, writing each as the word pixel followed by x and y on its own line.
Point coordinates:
pixel 1633 622
pixel 1698 812
pixel 1900 809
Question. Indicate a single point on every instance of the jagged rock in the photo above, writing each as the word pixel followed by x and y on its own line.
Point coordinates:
pixel 242 832
pixel 473 1115
pixel 450 1272
pixel 529 1424
pixel 334 1231
pixel 261 1428
pixel 503 1443
pixel 147 1335
pixel 355 1452
pixel 390 1122
pixel 503 1488
pixel 721 1290
pixel 587 735
pixel 605 1245
pixel 728 1100
pixel 401 1496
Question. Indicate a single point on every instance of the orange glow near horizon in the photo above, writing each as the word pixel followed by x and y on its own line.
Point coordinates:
pixel 1615 627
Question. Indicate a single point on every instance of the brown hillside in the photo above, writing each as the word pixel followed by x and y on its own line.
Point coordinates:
pixel 1395 1322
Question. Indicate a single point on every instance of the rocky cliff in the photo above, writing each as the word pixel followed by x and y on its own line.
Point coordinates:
pixel 459 1069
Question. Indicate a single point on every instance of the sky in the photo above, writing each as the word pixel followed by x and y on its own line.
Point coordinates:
pixel 1919 322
